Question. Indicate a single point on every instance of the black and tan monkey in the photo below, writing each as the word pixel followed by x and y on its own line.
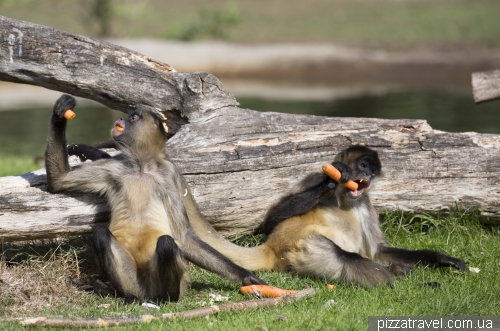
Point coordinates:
pixel 145 250
pixel 325 230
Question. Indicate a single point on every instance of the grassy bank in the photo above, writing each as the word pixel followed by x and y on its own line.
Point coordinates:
pixel 54 276
pixel 15 165
pixel 386 23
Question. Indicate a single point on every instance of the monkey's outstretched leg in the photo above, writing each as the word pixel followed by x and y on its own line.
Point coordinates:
pixel 118 265
pixel 401 261
pixel 169 271
pixel 320 257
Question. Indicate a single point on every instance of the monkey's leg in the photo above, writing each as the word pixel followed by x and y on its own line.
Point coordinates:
pixel 318 256
pixel 203 255
pixel 118 265
pixel 401 261
pixel 169 271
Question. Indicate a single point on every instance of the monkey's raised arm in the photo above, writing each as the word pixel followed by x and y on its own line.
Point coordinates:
pixel 60 176
pixel 56 156
pixel 311 189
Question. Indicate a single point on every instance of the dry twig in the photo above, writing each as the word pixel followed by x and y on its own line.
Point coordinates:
pixel 189 314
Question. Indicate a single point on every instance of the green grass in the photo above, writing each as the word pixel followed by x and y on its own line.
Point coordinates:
pixel 385 23
pixel 16 164
pixel 461 294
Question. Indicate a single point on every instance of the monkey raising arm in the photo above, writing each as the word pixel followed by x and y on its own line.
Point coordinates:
pixel 149 239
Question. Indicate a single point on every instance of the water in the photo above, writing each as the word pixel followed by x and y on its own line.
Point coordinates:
pixel 443 110
pixel 23 132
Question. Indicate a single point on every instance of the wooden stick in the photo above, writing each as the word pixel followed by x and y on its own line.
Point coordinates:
pixel 189 314
pixel 335 175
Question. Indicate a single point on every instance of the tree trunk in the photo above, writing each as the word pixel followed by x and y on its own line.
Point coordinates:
pixel 236 161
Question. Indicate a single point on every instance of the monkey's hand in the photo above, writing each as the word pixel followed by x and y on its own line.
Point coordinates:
pixel 251 279
pixel 62 104
pixel 345 171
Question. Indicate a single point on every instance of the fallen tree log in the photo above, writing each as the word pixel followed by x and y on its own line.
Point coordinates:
pixel 236 161
pixel 486 85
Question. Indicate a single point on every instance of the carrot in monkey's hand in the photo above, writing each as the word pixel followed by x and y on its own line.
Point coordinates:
pixel 335 175
pixel 69 114
pixel 266 291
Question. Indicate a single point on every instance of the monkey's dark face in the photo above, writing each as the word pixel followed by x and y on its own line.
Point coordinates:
pixel 364 170
pixel 365 166
pixel 141 129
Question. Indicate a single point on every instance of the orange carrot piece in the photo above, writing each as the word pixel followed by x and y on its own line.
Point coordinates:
pixel 335 175
pixel 69 114
pixel 330 287
pixel 265 291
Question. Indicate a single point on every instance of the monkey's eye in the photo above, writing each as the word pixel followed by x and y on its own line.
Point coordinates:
pixel 363 165
pixel 133 118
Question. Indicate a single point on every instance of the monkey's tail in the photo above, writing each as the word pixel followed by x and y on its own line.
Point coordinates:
pixel 251 258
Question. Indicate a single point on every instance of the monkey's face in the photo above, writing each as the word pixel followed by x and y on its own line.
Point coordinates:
pixel 364 165
pixel 364 171
pixel 141 129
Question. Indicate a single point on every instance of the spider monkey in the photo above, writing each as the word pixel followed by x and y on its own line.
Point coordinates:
pixel 145 249
pixel 324 230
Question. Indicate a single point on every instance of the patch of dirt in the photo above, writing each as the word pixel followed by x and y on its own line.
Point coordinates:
pixel 37 276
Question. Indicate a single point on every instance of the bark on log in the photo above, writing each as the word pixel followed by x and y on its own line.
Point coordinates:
pixel 236 161
pixel 486 85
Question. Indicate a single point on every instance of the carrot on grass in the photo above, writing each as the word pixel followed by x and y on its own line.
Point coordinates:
pixel 69 114
pixel 335 175
pixel 265 291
